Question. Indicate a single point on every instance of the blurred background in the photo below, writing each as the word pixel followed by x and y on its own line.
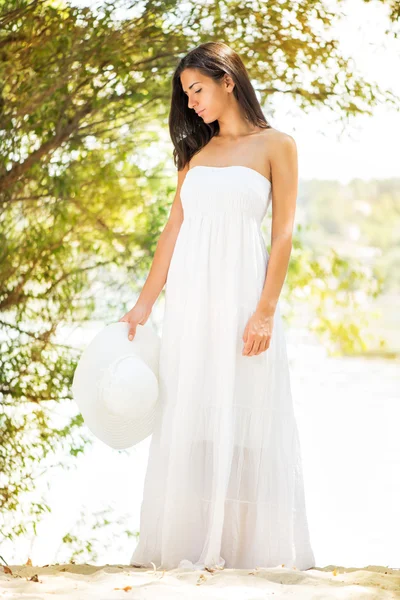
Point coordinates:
pixel 86 183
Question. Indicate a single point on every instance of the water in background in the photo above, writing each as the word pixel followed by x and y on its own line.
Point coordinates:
pixel 347 409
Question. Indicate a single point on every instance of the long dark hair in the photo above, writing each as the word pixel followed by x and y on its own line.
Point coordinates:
pixel 188 131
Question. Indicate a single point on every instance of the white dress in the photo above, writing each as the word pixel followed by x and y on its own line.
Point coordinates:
pixel 224 482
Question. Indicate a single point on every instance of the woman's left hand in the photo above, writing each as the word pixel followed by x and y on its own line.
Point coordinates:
pixel 257 333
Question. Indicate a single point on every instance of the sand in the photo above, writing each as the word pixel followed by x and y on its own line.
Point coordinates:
pixel 74 581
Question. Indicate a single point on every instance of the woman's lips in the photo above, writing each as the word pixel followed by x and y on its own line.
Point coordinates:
pixel 199 113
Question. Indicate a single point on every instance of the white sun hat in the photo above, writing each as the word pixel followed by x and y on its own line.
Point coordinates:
pixel 115 384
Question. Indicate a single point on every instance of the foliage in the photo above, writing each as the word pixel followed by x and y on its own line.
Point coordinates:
pixel 86 537
pixel 360 220
pixel 335 288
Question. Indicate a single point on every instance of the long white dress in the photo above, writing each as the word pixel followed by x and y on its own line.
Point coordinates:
pixel 224 482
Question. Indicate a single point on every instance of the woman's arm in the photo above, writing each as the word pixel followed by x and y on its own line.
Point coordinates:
pixel 160 265
pixel 258 331
pixel 284 168
pixel 165 247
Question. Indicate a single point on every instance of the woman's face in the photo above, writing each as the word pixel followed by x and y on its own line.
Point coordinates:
pixel 204 95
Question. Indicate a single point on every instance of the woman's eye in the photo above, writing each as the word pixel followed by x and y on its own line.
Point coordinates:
pixel 198 91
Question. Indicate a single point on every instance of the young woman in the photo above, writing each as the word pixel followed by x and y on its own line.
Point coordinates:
pixel 224 483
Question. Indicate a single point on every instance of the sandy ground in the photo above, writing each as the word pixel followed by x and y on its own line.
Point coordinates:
pixel 73 581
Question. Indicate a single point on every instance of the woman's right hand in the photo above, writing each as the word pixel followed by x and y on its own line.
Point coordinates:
pixel 137 315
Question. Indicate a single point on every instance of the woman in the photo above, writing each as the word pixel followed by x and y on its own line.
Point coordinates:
pixel 224 483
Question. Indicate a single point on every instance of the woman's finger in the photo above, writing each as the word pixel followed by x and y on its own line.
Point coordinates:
pixel 258 346
pixel 248 346
pixel 132 331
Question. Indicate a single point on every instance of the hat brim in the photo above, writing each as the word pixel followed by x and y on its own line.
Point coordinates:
pixel 117 431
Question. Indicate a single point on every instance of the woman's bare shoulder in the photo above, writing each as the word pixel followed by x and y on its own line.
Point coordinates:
pixel 280 146
pixel 182 174
pixel 277 137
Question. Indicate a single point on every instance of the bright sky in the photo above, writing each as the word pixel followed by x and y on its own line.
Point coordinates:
pixel 367 148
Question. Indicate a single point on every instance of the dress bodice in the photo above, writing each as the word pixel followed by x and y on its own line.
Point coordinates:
pixel 233 190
